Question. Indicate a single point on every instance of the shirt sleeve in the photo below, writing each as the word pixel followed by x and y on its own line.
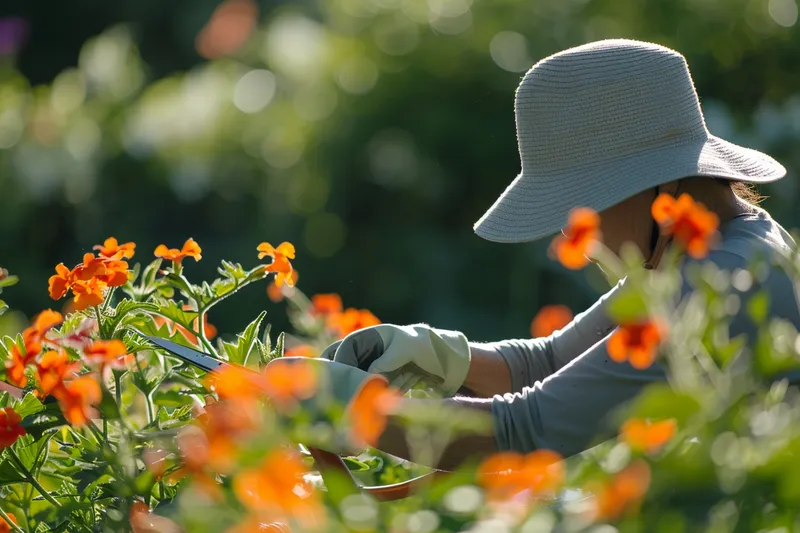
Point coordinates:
pixel 533 360
pixel 569 409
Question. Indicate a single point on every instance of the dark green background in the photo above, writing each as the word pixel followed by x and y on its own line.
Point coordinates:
pixel 409 253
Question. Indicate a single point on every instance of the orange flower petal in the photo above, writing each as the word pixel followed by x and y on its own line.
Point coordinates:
pixel 549 319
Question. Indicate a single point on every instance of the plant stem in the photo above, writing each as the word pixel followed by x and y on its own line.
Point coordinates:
pixel 31 479
pixel 11 524
pixel 99 321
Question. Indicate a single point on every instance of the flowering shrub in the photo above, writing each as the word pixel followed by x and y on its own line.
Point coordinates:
pixel 114 434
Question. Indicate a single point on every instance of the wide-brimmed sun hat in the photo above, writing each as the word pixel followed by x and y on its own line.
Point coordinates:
pixel 599 123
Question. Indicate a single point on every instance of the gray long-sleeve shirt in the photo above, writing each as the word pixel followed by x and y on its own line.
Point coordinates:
pixel 564 385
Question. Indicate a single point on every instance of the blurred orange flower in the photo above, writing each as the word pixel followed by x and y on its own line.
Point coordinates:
pixel 277 490
pixel 226 425
pixel 582 231
pixel 111 353
pixel 549 319
pixel 690 223
pixel 506 474
pixel 636 343
pixel 622 493
pixel 277 294
pixel 326 304
pixel 155 459
pixel 10 428
pixel 5 527
pixel 111 249
pixel 190 249
pixel 228 29
pixel 77 399
pixel 345 323
pixel 304 350
pixel 143 521
pixel 52 369
pixel 254 523
pixel 280 261
pixel 233 382
pixel 193 446
pixel 647 436
pixel 287 381
pixel 369 409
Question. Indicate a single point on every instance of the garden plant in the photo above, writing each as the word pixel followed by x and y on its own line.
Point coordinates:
pixel 114 434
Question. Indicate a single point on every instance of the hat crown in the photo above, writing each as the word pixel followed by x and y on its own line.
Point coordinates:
pixel 605 100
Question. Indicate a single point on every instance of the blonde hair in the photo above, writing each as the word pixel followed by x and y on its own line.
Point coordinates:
pixel 747 192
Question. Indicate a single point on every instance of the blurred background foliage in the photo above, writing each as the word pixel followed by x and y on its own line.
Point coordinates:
pixel 370 133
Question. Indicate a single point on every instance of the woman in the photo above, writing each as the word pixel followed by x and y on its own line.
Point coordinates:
pixel 608 125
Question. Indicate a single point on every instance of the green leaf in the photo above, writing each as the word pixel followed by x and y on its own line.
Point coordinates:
pixel 627 305
pixel 9 473
pixel 354 465
pixel 32 453
pixel 3 307
pixel 658 402
pixel 278 350
pixel 171 311
pixel 8 281
pixel 149 275
pixel 758 307
pixel 29 405
pixel 125 308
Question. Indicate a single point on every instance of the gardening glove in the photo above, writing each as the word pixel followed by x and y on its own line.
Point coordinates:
pixel 331 401
pixel 407 355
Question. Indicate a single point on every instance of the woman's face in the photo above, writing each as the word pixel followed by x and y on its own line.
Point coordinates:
pixel 629 221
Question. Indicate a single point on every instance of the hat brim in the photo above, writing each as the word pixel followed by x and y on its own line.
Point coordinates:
pixel 537 204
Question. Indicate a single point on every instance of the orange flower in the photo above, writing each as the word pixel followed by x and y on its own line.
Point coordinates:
pixel 506 474
pixel 77 399
pixel 287 381
pixel 10 428
pixel 277 490
pixel 143 521
pixel 277 294
pixel 111 249
pixel 193 446
pixel 46 320
pixel 190 249
pixel 111 353
pixel 622 493
pixel 692 225
pixel 582 231
pixel 33 337
pixel 236 383
pixel 636 343
pixel 155 459
pixel 646 436
pixel 88 293
pixel 59 283
pixel 304 350
pixel 226 425
pixel 52 369
pixel 5 527
pixel 280 261
pixel 326 304
pixel 345 323
pixel 369 408
pixel 116 273
pixel 549 319
pixel 92 266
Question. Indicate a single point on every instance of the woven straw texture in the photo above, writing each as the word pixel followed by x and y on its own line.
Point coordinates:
pixel 599 123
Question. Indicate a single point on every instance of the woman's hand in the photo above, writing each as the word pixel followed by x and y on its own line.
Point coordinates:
pixel 407 355
pixel 15 392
